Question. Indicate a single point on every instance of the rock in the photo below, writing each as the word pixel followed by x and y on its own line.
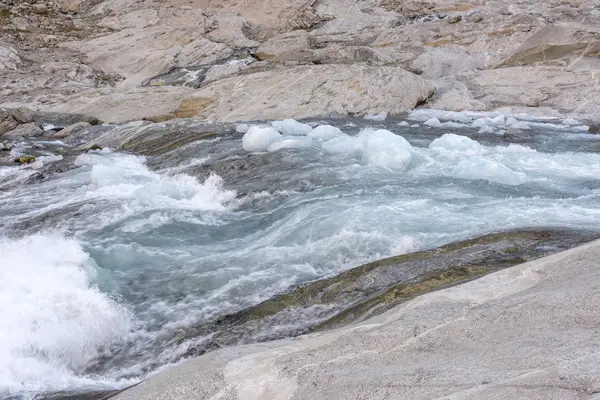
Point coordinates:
pixel 25 130
pixel 151 139
pixel 39 8
pixel 9 58
pixel 463 342
pixel 308 91
pixel 23 115
pixel 63 120
pixel 8 125
pixel 70 130
pixel 455 19
pixel 27 159
pixel 70 6
pixel 594 128
pixel 556 41
pixel 289 46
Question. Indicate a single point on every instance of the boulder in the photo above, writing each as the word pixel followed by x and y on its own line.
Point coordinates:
pixel 70 130
pixel 8 125
pixel 594 128
pixel 25 130
pixel 23 115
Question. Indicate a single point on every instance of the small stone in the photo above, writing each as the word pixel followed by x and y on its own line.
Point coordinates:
pixel 25 130
pixel 594 128
pixel 455 19
pixel 40 8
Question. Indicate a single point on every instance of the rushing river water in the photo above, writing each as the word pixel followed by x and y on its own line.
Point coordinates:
pixel 104 264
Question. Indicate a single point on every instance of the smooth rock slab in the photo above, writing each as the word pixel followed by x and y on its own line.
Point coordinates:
pixel 527 332
pixel 308 91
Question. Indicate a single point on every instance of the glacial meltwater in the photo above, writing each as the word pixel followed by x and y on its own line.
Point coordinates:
pixel 109 265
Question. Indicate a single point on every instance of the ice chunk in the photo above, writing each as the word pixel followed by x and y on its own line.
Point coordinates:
pixel 291 127
pixel 342 145
pixel 520 125
pixel 403 123
pixel 325 132
pixel 486 129
pixel 242 128
pixel 481 122
pixel 499 120
pixel 510 121
pixel 414 126
pixel 385 149
pixel 290 143
pixel 570 121
pixel 481 168
pixel 259 138
pixel 432 123
pixel 378 117
pixel 452 143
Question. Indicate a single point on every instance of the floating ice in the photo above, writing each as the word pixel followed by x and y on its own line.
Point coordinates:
pixel 432 123
pixel 570 121
pixel 377 118
pixel 259 138
pixel 242 128
pixel 325 132
pixel 510 121
pixel 403 123
pixel 385 149
pixel 481 122
pixel 290 142
pixel 414 126
pixel 520 125
pixel 499 120
pixel 290 127
pixel 479 167
pixel 342 145
pixel 486 129
pixel 456 143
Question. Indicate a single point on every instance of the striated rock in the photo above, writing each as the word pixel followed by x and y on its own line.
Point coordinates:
pixel 463 342
pixel 157 138
pixel 64 119
pixel 8 125
pixel 9 58
pixel 25 130
pixel 293 45
pixel 308 91
pixel 557 41
pixel 70 130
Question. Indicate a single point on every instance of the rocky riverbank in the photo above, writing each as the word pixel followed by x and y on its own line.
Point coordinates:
pixel 243 60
